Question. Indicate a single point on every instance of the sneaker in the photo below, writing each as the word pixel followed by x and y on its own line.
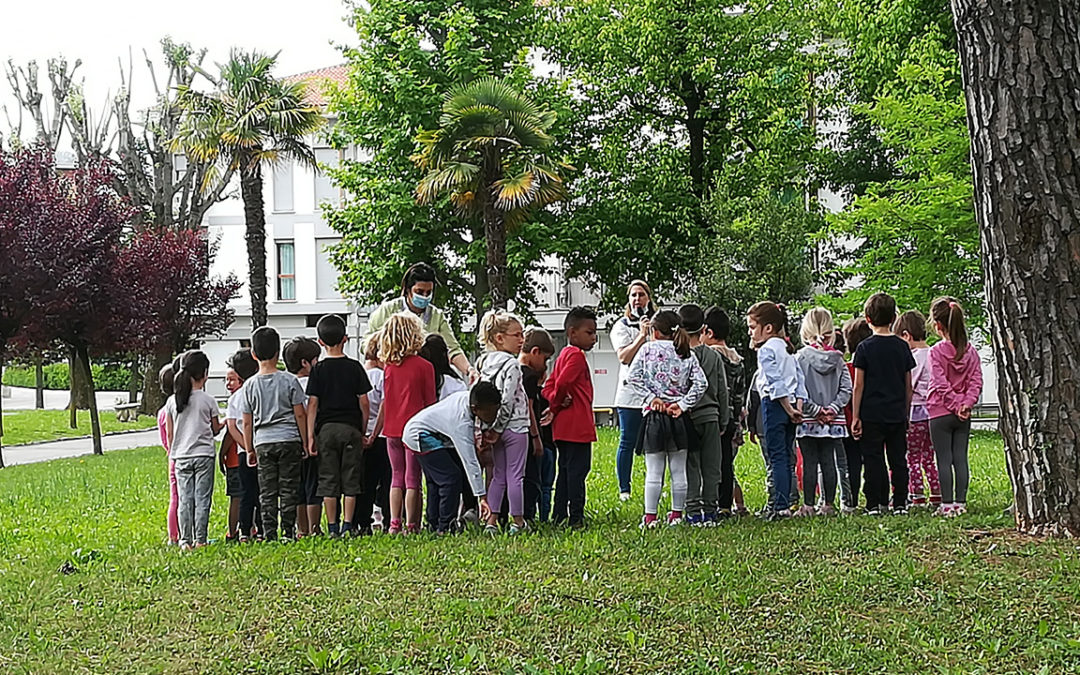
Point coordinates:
pixel 377 520
pixel 873 511
pixel 848 510
pixel 515 529
pixel 492 530
pixel 242 538
pixel 649 522
pixel 917 500
pixel 711 520
pixel 470 517
pixel 412 528
pixel 723 514
pixel 944 511
pixel 185 547
pixel 959 509
pixel 624 496
pixel 899 511
pixel 805 511
pixel 826 510
pixel 395 527
pixel 695 520
pixel 674 519
pixel 771 515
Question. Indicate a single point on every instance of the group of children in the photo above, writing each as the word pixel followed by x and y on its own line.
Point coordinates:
pixel 358 442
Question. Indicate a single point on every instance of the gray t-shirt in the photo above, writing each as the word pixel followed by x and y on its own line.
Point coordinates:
pixel 193 431
pixel 270 399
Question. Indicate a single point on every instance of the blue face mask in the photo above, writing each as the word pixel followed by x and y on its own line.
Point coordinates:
pixel 420 302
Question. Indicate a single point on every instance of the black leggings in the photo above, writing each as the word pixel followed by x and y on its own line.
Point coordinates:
pixel 376 485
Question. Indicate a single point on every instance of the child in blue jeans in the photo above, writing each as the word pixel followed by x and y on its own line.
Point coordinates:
pixel 780 383
pixel 540 464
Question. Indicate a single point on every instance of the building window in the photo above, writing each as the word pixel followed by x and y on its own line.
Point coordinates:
pixel 326 275
pixel 283 187
pixel 286 268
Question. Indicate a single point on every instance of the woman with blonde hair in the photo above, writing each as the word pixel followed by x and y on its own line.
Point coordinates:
pixel 629 333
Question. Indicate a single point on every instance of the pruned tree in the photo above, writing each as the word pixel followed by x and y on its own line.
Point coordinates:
pixel 1021 65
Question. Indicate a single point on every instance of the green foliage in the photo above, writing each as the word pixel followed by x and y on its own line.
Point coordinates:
pixel 109 377
pixel 916 233
pixel 839 595
pixel 33 426
pixel 673 103
pixel 410 54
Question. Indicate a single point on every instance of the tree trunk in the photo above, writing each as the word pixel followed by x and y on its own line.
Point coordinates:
pixel 78 386
pixel 152 398
pixel 133 383
pixel 495 237
pixel 83 354
pixel 39 384
pixel 1021 63
pixel 251 188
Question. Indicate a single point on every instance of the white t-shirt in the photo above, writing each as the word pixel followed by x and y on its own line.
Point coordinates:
pixel 623 334
pixel 451 385
pixel 374 397
pixel 232 412
pixel 452 417
pixel 193 431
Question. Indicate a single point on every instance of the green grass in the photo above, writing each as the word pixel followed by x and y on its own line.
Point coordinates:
pixel 29 426
pixel 843 595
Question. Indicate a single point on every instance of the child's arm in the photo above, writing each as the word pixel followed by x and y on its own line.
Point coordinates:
pixel 641 380
pixel 909 391
pixel 974 383
pixel 216 424
pixel 574 368
pixel 169 429
pixel 939 381
pixel 534 433
pixel 370 440
pixel 698 385
pixel 856 403
pixel 843 394
pixel 510 383
pixel 302 424
pixel 365 411
pixel 312 411
pixel 234 433
pixel 249 438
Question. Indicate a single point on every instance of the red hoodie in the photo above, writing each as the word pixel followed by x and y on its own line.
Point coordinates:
pixel 571 377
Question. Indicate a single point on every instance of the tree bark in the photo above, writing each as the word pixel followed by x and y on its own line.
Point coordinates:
pixel 133 383
pixel 39 384
pixel 494 234
pixel 83 357
pixel 1021 65
pixel 78 387
pixel 152 398
pixel 251 188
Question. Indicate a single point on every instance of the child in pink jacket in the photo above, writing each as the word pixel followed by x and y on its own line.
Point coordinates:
pixel 955 385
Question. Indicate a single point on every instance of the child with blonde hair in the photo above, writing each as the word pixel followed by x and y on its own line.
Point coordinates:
pixel 828 390
pixel 503 334
pixel 408 388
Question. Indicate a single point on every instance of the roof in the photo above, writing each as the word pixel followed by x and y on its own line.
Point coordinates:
pixel 316 82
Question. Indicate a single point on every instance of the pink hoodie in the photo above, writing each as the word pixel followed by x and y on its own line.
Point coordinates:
pixel 953 384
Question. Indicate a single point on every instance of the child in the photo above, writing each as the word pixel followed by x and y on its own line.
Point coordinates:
pixel 716 332
pixel 376 470
pixel 708 419
pixel 540 464
pixel 229 459
pixel 667 374
pixel 570 391
pixel 911 327
pixel 191 422
pixel 447 379
pixel 244 365
pixel 779 382
pixel 275 425
pixel 337 413
pixel 165 377
pixel 854 332
pixel 408 388
pixel 452 422
pixel 828 390
pixel 503 336
pixel 955 385
pixel 881 403
pixel 300 355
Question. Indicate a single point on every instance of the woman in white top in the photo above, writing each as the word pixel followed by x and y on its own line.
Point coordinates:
pixel 629 333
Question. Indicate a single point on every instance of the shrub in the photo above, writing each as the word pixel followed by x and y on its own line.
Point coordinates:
pixel 106 377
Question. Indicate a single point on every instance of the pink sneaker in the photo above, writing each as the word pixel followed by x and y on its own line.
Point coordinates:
pixel 826 510
pixel 395 527
pixel 805 511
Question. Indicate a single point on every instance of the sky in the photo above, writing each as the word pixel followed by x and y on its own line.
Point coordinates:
pixel 100 31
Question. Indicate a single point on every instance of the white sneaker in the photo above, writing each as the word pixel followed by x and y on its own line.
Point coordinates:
pixel 624 496
pixel 805 511
pixel 377 520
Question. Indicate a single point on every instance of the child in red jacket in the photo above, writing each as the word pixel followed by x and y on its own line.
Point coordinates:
pixel 570 391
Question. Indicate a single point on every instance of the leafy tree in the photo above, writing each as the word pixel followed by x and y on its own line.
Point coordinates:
pixel 916 232
pixel 491 155
pixel 251 119
pixel 672 104
pixel 410 53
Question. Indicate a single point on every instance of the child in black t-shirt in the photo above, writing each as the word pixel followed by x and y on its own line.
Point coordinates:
pixel 540 463
pixel 337 418
pixel 881 405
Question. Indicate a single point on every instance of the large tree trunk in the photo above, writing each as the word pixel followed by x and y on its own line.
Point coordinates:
pixel 39 384
pixel 77 383
pixel 152 398
pixel 251 188
pixel 83 357
pixel 1021 63
pixel 133 382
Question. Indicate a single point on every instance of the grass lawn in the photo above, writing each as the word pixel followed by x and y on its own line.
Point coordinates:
pixel 28 426
pixel 841 595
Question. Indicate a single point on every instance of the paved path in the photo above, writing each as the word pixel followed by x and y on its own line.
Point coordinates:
pixel 23 399
pixel 75 447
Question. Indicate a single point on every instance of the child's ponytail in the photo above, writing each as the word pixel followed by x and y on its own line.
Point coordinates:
pixel 193 366
pixel 669 325
pixel 948 312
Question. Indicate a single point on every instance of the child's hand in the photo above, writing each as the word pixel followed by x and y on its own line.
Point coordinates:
pixel 491 437
pixel 964 413
pixel 753 437
pixel 252 460
pixel 567 401
pixel 312 451
pixel 674 410
pixel 658 405
pixel 547 417
pixel 537 447
pixel 485 510
pixel 369 441
pixel 796 416
pixel 856 428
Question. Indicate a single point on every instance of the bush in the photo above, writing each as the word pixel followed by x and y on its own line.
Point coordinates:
pixel 106 377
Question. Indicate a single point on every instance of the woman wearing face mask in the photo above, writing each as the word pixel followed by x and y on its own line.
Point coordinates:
pixel 417 291
pixel 628 334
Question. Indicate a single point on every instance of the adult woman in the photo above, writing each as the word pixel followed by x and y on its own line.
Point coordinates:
pixel 417 290
pixel 628 334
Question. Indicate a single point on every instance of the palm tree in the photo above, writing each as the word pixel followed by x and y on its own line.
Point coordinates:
pixel 491 155
pixel 250 119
